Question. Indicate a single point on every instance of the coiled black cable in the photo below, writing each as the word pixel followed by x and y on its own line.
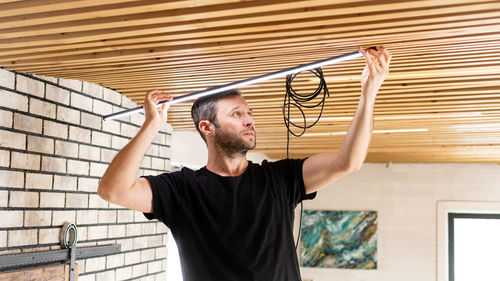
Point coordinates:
pixel 299 101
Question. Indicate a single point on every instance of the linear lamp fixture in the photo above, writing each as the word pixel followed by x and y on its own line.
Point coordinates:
pixel 374 131
pixel 241 83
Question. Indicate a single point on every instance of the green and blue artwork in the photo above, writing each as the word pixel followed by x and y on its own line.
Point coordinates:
pixel 339 239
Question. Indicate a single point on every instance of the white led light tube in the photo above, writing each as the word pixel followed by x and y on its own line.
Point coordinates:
pixel 239 84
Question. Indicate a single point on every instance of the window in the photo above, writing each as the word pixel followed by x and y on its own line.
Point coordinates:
pixel 467 240
pixel 473 246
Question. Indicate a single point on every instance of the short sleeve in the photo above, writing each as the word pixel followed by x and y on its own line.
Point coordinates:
pixel 167 196
pixel 291 172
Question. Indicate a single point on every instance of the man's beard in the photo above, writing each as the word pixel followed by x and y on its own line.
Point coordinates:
pixel 232 144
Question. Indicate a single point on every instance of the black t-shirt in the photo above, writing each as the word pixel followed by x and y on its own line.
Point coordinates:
pixel 233 228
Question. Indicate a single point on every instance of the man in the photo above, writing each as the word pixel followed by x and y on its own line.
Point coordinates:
pixel 233 219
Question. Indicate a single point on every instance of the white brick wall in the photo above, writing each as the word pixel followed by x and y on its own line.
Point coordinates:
pixel 54 149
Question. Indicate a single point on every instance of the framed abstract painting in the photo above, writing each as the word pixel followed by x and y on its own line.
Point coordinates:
pixel 339 239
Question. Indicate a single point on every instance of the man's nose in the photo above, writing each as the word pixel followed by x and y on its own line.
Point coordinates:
pixel 248 121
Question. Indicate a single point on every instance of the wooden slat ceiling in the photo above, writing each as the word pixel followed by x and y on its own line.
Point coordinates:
pixel 444 81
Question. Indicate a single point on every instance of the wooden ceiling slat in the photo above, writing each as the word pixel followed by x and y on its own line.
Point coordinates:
pixel 444 76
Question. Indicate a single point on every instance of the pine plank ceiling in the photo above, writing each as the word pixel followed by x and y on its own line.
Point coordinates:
pixel 443 90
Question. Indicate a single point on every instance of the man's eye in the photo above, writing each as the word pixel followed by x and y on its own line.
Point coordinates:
pixel 236 114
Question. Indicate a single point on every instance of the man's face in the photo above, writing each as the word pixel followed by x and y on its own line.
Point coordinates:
pixel 234 126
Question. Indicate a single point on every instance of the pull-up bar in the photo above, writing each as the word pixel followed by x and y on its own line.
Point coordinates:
pixel 239 84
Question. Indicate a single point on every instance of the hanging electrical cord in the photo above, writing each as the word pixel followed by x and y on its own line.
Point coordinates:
pixel 299 101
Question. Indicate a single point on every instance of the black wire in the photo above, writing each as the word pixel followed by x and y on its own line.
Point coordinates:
pixel 292 98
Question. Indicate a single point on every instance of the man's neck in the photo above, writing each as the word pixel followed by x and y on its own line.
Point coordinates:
pixel 227 166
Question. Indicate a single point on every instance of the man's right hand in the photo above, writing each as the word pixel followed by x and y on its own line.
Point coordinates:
pixel 155 116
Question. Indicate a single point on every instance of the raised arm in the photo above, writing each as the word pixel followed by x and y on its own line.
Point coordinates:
pixel 322 169
pixel 119 184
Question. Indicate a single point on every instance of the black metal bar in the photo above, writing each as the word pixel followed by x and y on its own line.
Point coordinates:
pixel 45 257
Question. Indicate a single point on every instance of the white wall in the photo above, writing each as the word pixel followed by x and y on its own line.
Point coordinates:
pixel 405 196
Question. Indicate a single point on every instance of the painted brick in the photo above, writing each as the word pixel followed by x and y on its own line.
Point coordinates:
pixel 60 217
pixel 64 148
pixel 101 139
pixel 115 231
pixel 27 123
pixel 139 217
pixel 162 276
pixel 30 86
pixel 92 89
pixel 46 78
pixel 97 169
pixel 161 253
pixel 79 134
pixel 91 120
pixel 111 127
pixel 128 130
pixel 148 227
pixel 153 150
pixel 57 94
pixel 7 116
pixel 40 144
pixel 13 100
pixel 4 158
pixel 81 101
pixel 48 236
pixel 137 119
pixel 112 96
pixel 25 161
pixel 155 241
pixel 7 79
pixel 164 151
pixel 23 199
pixel 86 217
pixel 125 273
pixel 161 228
pixel 12 140
pixel 139 270
pixel 89 152
pixel 78 167
pixel 147 255
pixel 54 129
pixel 115 260
pixel 102 108
pixel 72 84
pixel 3 239
pixel 157 163
pixel 105 276
pixel 146 162
pixel 107 155
pixel 11 179
pixel 168 165
pixel 68 115
pixel 128 103
pixel 97 202
pixel 90 277
pixel 97 232
pixel 11 218
pixel 53 164
pixel 87 184
pixel 125 216
pixel 132 257
pixel 119 142
pixel 42 108
pixel 154 267
pixel 106 216
pixel 133 229
pixel 4 196
pixel 37 218
pixel 52 200
pixel 64 182
pixel 38 181
pixel 22 237
pixel 127 244
pixel 82 233
pixel 96 264
pixel 75 200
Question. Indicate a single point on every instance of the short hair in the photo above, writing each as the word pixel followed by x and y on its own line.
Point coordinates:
pixel 205 108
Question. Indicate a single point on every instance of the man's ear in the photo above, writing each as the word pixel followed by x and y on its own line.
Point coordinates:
pixel 207 128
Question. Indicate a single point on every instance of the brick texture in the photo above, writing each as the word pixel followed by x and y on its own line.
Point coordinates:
pixel 54 147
